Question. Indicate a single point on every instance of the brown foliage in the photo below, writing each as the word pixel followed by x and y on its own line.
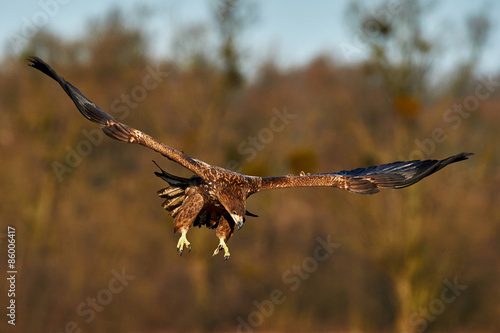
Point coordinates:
pixel 102 215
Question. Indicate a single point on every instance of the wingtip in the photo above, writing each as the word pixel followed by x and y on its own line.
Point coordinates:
pixel 466 155
pixel 461 157
pixel 43 67
pixel 36 62
pixel 33 60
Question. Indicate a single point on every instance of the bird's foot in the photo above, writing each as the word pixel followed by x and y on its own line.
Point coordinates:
pixel 183 242
pixel 222 245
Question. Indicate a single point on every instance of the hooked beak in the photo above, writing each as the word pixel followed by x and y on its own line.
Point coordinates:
pixel 239 220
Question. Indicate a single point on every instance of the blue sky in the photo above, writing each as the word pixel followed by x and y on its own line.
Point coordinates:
pixel 290 30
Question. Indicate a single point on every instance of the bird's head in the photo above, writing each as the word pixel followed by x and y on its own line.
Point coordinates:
pixel 236 208
pixel 238 218
pixel 235 205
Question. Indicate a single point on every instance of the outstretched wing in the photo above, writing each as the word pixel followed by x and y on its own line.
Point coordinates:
pixel 112 127
pixel 366 181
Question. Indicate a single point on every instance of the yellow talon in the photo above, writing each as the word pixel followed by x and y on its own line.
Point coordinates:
pixel 222 245
pixel 183 242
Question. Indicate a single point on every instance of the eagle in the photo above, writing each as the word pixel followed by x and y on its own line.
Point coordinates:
pixel 215 197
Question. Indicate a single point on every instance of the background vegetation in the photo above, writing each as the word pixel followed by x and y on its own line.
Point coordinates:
pixel 85 207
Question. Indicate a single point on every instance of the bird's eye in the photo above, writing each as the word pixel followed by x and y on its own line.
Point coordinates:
pixel 234 212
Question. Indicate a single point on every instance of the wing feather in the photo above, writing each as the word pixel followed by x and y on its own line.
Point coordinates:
pixel 114 128
pixel 367 180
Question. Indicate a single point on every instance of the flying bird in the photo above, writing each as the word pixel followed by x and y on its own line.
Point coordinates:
pixel 215 197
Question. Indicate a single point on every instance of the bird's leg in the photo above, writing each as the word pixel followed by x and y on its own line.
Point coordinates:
pixel 223 232
pixel 183 242
pixel 189 210
pixel 222 245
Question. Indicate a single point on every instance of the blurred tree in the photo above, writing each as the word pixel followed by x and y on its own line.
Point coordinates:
pixel 231 18
pixel 191 47
pixel 478 29
pixel 400 55
pixel 401 58
pixel 116 40
pixel 397 247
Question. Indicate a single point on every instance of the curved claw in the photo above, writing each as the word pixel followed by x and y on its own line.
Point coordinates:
pixel 183 242
pixel 222 245
pixel 217 249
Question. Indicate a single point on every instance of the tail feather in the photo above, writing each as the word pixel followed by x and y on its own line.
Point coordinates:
pixel 172 180
pixel 170 192
pixel 175 193
pixel 171 203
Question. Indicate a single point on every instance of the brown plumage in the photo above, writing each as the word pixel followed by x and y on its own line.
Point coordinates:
pixel 215 197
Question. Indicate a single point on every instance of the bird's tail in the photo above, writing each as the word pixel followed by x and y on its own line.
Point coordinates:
pixel 175 193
